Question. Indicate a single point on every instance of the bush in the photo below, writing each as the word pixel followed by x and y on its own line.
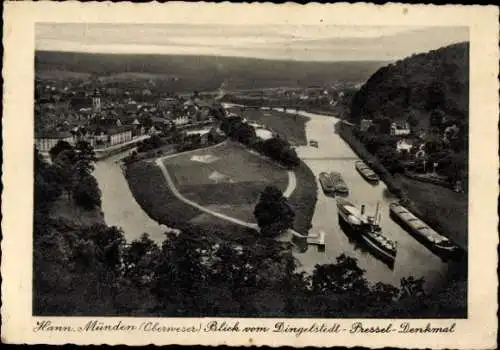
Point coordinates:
pixel 280 150
pixel 153 142
pixel 273 213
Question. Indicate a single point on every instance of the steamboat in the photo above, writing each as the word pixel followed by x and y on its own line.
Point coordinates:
pixel 367 228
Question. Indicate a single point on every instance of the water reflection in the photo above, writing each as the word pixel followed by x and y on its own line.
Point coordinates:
pixel 388 195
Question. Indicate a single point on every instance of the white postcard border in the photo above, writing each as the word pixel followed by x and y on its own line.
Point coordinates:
pixel 18 326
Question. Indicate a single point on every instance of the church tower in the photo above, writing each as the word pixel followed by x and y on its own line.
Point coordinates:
pixel 96 102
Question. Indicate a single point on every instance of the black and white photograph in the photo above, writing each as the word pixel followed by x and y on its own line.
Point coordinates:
pixel 250 171
pixel 254 170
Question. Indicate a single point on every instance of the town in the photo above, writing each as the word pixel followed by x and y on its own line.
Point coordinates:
pixel 214 195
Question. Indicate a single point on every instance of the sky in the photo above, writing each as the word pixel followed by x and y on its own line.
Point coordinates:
pixel 289 42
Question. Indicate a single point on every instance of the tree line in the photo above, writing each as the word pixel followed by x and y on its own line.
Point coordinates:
pixel 69 176
pixel 275 147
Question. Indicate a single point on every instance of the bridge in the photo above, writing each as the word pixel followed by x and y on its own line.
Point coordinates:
pixel 294 107
pixel 330 158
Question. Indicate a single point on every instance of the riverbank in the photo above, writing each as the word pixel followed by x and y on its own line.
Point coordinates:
pixel 441 208
pixel 293 129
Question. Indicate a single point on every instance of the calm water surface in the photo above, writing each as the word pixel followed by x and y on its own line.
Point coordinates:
pixel 119 205
pixel 333 154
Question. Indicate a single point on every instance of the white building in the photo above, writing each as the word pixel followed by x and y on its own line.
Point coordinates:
pixel 404 145
pixel 264 134
pixel 45 141
pixel 182 120
pixel 119 135
pixel 400 128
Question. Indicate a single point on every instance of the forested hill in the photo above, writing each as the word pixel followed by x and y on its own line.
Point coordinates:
pixel 418 85
pixel 207 72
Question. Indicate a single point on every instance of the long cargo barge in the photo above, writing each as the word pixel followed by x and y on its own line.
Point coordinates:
pixel 366 172
pixel 422 232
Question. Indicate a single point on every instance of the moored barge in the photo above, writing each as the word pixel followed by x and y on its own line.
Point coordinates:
pixel 422 232
pixel 339 183
pixel 366 172
pixel 326 183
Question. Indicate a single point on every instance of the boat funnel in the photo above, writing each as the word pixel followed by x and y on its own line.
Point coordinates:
pixel 362 209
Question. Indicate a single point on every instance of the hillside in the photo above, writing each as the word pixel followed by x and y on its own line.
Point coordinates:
pixel 185 73
pixel 429 92
pixel 417 85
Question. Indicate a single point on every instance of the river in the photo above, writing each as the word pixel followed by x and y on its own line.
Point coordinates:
pixel 333 154
pixel 118 204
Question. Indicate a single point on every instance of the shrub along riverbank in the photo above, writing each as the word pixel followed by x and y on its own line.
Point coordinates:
pixel 439 207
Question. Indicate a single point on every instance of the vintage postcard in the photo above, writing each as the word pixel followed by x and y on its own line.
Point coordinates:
pixel 250 174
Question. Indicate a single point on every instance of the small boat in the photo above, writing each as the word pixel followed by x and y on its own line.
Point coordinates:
pixel 338 183
pixel 421 231
pixel 368 229
pixel 366 171
pixel 326 183
pixel 313 143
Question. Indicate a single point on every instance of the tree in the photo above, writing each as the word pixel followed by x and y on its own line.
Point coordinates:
pixel 47 182
pixel 289 158
pixel 85 158
pixel 60 146
pixel 433 145
pixel 412 119
pixel 436 95
pixel 86 193
pixel 245 134
pixel 64 164
pixel 218 112
pixel 436 118
pixel 229 125
pixel 344 276
pixel 273 213
pixel 385 125
pixel 109 240
pixel 143 258
pixel 389 158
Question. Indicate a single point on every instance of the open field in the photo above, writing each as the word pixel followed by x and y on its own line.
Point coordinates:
pixel 249 174
pixel 151 191
pixel 290 126
pixel 225 176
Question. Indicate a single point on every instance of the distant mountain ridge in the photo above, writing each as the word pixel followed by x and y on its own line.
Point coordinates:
pixel 209 72
pixel 417 85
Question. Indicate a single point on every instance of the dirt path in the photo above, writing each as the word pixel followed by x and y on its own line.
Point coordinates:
pixel 291 187
pixel 292 184
pixel 159 162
